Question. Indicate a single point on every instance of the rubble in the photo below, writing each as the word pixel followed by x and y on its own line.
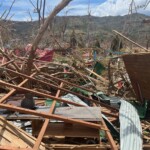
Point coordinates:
pixel 65 102
pixel 68 91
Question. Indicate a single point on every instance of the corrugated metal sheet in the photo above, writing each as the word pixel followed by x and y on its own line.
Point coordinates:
pixel 137 66
pixel 130 127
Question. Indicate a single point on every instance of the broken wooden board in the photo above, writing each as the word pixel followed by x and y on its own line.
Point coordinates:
pixel 11 136
pixel 82 113
pixel 63 129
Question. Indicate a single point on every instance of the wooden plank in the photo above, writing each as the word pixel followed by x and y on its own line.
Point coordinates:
pixel 52 116
pixel 83 113
pixel 13 148
pixel 14 136
pixel 80 147
pixel 37 93
pixel 7 63
pixel 6 56
pixel 14 90
pixel 97 75
pixel 68 130
pixel 64 81
pixel 52 85
pixel 110 138
pixel 44 127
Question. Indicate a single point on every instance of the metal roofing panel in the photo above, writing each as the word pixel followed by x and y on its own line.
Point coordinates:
pixel 130 127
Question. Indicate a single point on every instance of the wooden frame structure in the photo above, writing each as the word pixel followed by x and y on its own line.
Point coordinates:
pixel 50 115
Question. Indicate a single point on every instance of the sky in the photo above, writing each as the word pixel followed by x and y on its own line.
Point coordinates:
pixel 21 8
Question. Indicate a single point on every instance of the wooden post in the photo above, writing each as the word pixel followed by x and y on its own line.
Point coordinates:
pixel 41 134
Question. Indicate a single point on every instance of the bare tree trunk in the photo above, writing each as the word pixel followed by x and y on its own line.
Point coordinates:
pixel 88 24
pixel 43 18
pixel 39 11
pixel 41 32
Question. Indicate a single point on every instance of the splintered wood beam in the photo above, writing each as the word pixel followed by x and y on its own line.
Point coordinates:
pixel 59 88
pixel 46 122
pixel 100 77
pixel 74 85
pixel 52 85
pixel 37 93
pixel 52 116
pixel 64 81
pixel 13 148
pixel 14 90
pixel 6 56
pixel 110 138
pixel 7 63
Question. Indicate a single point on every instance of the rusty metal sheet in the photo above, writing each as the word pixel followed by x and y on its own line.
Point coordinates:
pixel 138 68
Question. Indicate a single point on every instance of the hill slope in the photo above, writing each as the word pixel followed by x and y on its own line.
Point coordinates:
pixel 130 25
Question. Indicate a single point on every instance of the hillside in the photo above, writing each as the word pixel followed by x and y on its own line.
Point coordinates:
pixel 100 27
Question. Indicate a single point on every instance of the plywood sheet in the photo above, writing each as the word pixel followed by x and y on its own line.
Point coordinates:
pixel 83 113
pixel 138 68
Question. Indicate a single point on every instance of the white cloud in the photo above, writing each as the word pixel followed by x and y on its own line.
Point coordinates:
pixel 76 7
pixel 119 7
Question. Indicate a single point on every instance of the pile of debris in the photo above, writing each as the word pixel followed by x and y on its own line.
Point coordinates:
pixel 73 103
pixel 64 105
pixel 55 91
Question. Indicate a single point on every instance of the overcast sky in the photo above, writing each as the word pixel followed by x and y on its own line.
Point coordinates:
pixel 76 7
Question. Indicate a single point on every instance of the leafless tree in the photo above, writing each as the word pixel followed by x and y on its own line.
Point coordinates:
pixel 39 8
pixel 42 30
pixel 63 24
pixel 147 3
pixel 9 10
pixel 5 25
pixel 44 4
pixel 132 7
